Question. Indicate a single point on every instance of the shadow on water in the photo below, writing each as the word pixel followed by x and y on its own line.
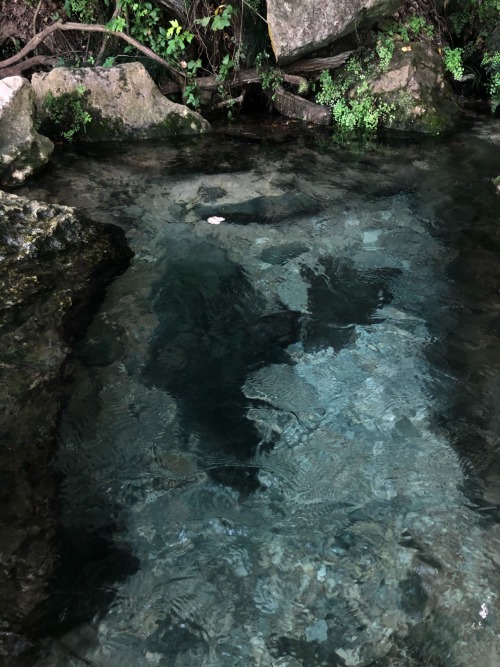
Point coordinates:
pixel 213 330
pixel 84 585
pixel 466 349
pixel 340 297
pixel 469 355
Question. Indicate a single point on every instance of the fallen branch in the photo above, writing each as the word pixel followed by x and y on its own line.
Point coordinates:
pixel 230 103
pixel 247 76
pixel 318 64
pixel 85 27
pixel 293 106
pixel 242 78
pixel 35 61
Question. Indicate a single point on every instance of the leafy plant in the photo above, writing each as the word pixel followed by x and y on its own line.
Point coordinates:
pixel 67 113
pixel 81 9
pixel 219 20
pixel 475 26
pixel 491 61
pixel 191 95
pixel 385 49
pixel 225 67
pixel 270 77
pixel 453 62
pixel 355 109
pixel 418 26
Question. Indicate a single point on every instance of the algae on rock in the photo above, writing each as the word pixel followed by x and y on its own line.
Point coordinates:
pixel 121 102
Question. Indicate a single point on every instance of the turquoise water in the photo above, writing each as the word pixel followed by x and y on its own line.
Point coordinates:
pixel 281 447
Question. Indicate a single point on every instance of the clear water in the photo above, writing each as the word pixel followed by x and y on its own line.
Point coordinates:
pixel 282 443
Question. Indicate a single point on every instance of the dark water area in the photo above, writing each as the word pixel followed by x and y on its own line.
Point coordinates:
pixel 281 444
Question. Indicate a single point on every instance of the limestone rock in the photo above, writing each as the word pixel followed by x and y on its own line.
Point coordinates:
pixel 22 149
pixel 297 27
pixel 415 83
pixel 123 103
pixel 52 266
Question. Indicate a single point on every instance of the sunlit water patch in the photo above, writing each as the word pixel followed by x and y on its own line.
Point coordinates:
pixel 282 431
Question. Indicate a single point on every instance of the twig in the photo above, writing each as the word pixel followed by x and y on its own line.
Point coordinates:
pixel 85 27
pixel 35 16
pixel 230 103
pixel 255 11
pixel 102 50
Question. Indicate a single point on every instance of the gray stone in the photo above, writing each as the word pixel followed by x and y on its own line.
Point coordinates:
pixel 299 27
pixel 416 84
pixel 22 149
pixel 123 103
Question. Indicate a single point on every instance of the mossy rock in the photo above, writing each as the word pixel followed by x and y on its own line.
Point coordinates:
pixel 101 104
pixel 416 85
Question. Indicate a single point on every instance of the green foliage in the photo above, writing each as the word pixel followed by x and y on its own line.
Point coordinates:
pixel 418 26
pixel 176 43
pixel 270 77
pixel 303 87
pixel 354 107
pixel 475 26
pixel 453 62
pixel 174 40
pixel 219 20
pixel 222 19
pixel 67 113
pixel 415 28
pixel 191 95
pixel 492 63
pixel 385 49
pixel 82 10
pixel 227 64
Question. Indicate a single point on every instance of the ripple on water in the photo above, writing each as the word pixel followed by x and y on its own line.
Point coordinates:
pixel 277 416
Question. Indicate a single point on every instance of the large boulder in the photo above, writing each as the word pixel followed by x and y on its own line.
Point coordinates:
pixel 298 27
pixel 22 149
pixel 53 265
pixel 104 103
pixel 415 83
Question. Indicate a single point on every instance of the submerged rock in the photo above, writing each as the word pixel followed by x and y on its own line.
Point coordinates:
pixel 415 84
pixel 121 102
pixel 53 265
pixel 299 27
pixel 22 149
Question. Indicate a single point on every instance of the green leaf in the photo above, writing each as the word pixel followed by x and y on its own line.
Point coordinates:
pixel 204 21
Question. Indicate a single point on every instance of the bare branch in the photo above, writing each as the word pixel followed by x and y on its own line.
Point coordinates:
pixel 35 16
pixel 85 27
pixel 17 70
pixel 31 45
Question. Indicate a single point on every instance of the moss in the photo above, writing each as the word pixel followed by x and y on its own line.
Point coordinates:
pixel 65 116
pixel 176 124
pixel 70 116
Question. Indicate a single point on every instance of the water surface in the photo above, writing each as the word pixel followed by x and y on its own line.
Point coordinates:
pixel 282 443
